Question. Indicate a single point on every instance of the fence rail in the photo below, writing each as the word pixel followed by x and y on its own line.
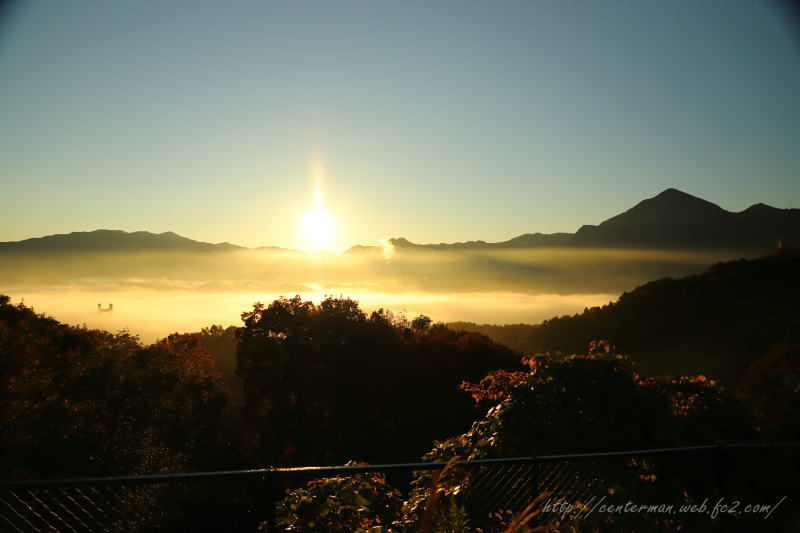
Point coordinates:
pixel 487 492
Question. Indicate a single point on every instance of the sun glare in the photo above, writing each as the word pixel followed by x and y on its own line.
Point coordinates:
pixel 318 225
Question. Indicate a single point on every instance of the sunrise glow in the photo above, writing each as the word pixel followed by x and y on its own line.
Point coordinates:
pixel 318 226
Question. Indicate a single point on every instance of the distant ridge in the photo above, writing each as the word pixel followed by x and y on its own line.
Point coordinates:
pixel 671 219
pixel 107 240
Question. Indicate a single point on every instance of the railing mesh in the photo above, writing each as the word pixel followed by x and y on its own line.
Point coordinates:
pixel 560 493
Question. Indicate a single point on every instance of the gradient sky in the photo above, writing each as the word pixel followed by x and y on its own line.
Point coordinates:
pixel 437 121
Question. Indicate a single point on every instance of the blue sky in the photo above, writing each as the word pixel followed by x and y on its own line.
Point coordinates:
pixel 437 121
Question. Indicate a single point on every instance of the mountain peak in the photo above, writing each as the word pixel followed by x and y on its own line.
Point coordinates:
pixel 670 205
pixel 675 198
pixel 400 241
pixel 761 208
pixel 673 193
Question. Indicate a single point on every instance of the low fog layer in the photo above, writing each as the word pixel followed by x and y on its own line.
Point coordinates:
pixel 155 293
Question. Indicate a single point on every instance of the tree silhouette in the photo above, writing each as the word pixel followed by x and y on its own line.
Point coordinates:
pixel 328 383
pixel 75 401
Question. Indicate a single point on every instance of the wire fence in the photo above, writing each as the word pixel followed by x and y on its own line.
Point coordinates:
pixel 736 487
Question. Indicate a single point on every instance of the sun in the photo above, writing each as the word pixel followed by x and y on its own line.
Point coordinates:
pixel 318 225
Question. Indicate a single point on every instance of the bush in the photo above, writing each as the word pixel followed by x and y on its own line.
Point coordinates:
pixel 597 397
pixel 361 503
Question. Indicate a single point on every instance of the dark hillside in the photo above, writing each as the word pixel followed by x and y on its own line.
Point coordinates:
pixel 715 323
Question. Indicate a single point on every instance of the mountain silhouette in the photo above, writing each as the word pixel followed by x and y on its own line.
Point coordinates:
pixel 677 219
pixel 671 219
pixel 104 240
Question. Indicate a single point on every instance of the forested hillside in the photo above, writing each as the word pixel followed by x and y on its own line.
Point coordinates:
pixel 716 323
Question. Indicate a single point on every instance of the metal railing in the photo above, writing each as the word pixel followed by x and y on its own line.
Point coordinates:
pixel 577 492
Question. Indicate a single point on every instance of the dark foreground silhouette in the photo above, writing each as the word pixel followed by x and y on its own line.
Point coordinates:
pixel 722 323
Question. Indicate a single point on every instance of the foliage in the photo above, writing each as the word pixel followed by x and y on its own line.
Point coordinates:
pixel 221 343
pixel 452 517
pixel 376 387
pixel 773 388
pixel 361 503
pixel 84 402
pixel 597 396
pixel 325 381
pixel 715 323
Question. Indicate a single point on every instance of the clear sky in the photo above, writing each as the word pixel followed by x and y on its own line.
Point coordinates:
pixel 437 121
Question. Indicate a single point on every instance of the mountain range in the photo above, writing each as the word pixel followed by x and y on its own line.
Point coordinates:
pixel 105 240
pixel 670 220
